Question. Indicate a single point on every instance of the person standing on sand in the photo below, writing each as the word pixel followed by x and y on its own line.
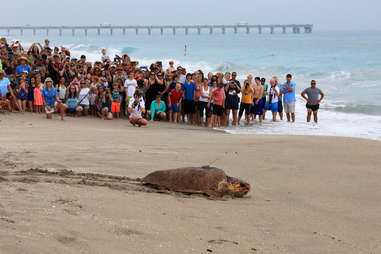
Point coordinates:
pixel 247 99
pixel 218 96
pixel 257 108
pixel 272 100
pixel 313 100
pixel 264 96
pixel 175 97
pixel 280 98
pixel 189 89
pixel 288 91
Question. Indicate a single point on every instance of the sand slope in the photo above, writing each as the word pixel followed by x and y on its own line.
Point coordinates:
pixel 310 194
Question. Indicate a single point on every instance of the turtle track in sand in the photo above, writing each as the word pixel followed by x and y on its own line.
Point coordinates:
pixel 71 178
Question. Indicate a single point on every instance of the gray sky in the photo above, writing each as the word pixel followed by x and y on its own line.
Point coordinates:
pixel 346 15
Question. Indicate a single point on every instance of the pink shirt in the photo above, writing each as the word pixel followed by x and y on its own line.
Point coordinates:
pixel 219 96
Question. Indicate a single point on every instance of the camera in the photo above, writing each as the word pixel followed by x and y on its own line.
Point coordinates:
pixel 117 58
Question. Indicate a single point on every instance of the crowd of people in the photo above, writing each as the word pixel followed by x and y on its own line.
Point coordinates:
pixel 45 79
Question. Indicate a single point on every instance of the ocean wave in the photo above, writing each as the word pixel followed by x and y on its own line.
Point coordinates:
pixel 362 109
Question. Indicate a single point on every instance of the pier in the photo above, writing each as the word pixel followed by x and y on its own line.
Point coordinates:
pixel 109 29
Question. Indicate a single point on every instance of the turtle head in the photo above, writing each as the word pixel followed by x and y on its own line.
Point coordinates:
pixel 238 187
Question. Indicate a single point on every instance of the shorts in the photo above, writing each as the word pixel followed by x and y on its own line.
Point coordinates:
pixel 232 102
pixel 244 107
pixel 71 110
pixel 217 110
pixel 52 109
pixel 203 106
pixel 289 107
pixel 257 109
pixel 156 117
pixel 313 107
pixel 273 106
pixel 104 105
pixel 280 107
pixel 115 107
pixel 174 108
pixel 84 106
pixel 188 107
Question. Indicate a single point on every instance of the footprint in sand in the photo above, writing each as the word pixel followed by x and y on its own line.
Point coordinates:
pixel 222 241
pixel 65 239
pixel 127 231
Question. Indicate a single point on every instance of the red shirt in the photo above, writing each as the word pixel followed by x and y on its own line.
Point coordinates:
pixel 175 96
pixel 219 96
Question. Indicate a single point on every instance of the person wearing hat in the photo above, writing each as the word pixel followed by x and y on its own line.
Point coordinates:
pixel 51 101
pixel 171 67
pixel 23 66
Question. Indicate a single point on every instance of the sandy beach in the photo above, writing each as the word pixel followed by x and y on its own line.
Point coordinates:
pixel 309 194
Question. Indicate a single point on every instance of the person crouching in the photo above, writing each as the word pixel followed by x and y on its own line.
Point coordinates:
pixel 158 109
pixel 136 110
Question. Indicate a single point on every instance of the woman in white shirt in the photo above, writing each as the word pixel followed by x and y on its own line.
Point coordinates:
pixel 83 97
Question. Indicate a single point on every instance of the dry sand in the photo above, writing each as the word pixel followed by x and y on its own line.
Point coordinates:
pixel 310 194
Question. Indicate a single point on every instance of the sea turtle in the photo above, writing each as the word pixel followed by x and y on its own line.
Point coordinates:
pixel 205 180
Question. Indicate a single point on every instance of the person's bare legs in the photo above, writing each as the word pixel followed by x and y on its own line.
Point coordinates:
pixel 212 119
pixel 309 113
pixel 142 122
pixel 219 121
pixel 288 115
pixel 293 117
pixel 134 120
pixel 274 116
pixel 235 119
pixel 316 116
pixel 225 118
pixel 170 114
pixel 62 109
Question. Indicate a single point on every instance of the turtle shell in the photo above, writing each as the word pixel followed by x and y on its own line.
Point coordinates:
pixel 200 180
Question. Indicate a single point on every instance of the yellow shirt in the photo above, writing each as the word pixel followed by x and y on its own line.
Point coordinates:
pixel 247 95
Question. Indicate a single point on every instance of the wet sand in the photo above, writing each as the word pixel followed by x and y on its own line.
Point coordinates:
pixel 309 194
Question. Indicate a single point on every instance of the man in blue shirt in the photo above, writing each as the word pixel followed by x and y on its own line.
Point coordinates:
pixel 189 89
pixel 23 66
pixel 288 91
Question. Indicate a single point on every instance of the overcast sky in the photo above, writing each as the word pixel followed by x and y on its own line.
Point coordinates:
pixel 353 15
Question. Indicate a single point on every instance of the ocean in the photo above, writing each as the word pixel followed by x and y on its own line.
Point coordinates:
pixel 346 66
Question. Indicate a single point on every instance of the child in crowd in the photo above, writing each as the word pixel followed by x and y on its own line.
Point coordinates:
pixel 174 100
pixel 37 98
pixel 31 87
pixel 219 103
pixel 22 92
pixel 115 106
